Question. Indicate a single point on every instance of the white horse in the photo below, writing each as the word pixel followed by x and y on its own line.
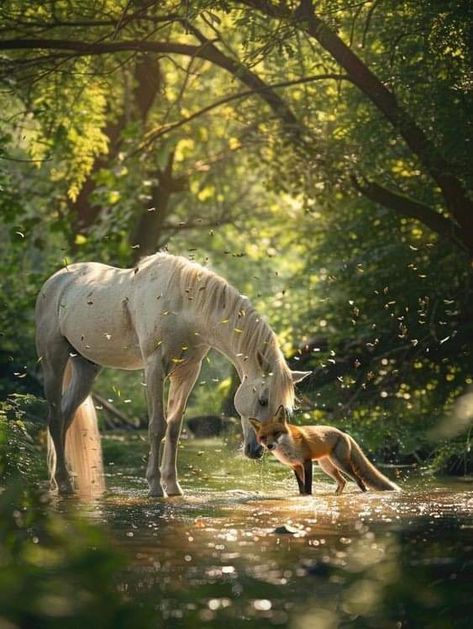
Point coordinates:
pixel 162 316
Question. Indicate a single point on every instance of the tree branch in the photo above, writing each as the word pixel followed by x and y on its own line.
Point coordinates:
pixel 100 48
pixel 406 206
pixel 154 134
pixel 292 125
pixel 124 420
pixel 441 171
pixel 207 50
pixel 454 193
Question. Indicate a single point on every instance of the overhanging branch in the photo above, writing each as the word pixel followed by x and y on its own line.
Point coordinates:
pixel 154 134
pixel 442 172
pixel 206 50
pixel 406 206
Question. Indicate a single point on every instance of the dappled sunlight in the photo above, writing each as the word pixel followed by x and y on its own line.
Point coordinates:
pixel 286 186
pixel 458 420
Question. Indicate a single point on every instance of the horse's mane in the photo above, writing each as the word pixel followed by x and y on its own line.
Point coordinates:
pixel 219 303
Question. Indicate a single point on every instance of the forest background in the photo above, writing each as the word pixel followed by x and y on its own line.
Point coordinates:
pixel 317 155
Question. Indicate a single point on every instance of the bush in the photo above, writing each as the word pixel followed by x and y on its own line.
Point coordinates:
pixel 21 421
pixel 55 570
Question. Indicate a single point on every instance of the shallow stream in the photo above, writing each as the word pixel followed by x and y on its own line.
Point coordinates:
pixel 242 548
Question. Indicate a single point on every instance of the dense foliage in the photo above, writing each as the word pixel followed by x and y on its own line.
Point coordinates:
pixel 55 569
pixel 316 155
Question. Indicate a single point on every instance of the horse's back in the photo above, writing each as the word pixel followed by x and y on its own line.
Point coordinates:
pixel 116 317
pixel 88 305
pixel 56 289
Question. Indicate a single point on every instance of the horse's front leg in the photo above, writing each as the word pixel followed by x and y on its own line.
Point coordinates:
pixel 182 382
pixel 154 377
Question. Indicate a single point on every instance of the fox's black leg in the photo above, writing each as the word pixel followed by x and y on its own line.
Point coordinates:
pixel 360 483
pixel 299 482
pixel 308 477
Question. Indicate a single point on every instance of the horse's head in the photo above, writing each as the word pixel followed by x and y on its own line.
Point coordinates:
pixel 259 398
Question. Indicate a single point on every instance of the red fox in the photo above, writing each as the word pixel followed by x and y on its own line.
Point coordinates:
pixel 335 451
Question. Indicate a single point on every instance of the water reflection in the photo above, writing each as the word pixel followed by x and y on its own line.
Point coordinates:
pixel 242 547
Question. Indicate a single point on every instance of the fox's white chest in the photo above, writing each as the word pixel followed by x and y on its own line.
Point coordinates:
pixel 285 451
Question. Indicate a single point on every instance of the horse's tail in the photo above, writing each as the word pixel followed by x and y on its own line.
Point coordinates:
pixel 83 447
pixel 51 460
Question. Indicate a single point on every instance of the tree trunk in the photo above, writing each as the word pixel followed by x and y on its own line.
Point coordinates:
pixel 147 83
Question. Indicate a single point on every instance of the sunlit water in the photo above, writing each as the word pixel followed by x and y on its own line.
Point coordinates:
pixel 217 555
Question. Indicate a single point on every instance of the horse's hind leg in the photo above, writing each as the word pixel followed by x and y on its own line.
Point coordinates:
pixel 53 360
pixel 182 382
pixel 83 375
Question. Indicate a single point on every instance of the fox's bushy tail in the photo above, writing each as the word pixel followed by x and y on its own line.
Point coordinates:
pixel 368 472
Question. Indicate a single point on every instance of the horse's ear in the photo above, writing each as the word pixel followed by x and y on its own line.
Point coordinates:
pixel 281 415
pixel 255 423
pixel 298 376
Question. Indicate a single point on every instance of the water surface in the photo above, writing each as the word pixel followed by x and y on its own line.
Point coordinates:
pixel 220 554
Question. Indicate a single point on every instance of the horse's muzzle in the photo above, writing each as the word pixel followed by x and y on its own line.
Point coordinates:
pixel 253 452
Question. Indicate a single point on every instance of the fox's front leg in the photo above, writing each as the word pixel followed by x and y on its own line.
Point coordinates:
pixel 300 477
pixel 308 477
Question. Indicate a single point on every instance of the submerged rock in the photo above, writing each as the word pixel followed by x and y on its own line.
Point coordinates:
pixel 317 569
pixel 288 529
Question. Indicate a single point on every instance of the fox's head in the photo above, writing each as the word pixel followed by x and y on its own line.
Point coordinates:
pixel 270 433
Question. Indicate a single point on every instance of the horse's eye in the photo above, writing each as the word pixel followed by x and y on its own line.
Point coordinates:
pixel 263 402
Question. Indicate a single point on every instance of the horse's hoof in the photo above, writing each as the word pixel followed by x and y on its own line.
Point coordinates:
pixel 156 492
pixel 171 486
pixel 175 490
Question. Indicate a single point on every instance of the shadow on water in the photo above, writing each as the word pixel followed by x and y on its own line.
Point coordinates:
pixel 242 547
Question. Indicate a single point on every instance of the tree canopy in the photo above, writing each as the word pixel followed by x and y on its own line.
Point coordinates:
pixel 316 154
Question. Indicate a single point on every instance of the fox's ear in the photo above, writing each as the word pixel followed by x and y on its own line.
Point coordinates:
pixel 298 376
pixel 281 415
pixel 255 423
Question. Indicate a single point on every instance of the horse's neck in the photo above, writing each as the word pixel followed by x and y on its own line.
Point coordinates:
pixel 244 364
pixel 219 337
